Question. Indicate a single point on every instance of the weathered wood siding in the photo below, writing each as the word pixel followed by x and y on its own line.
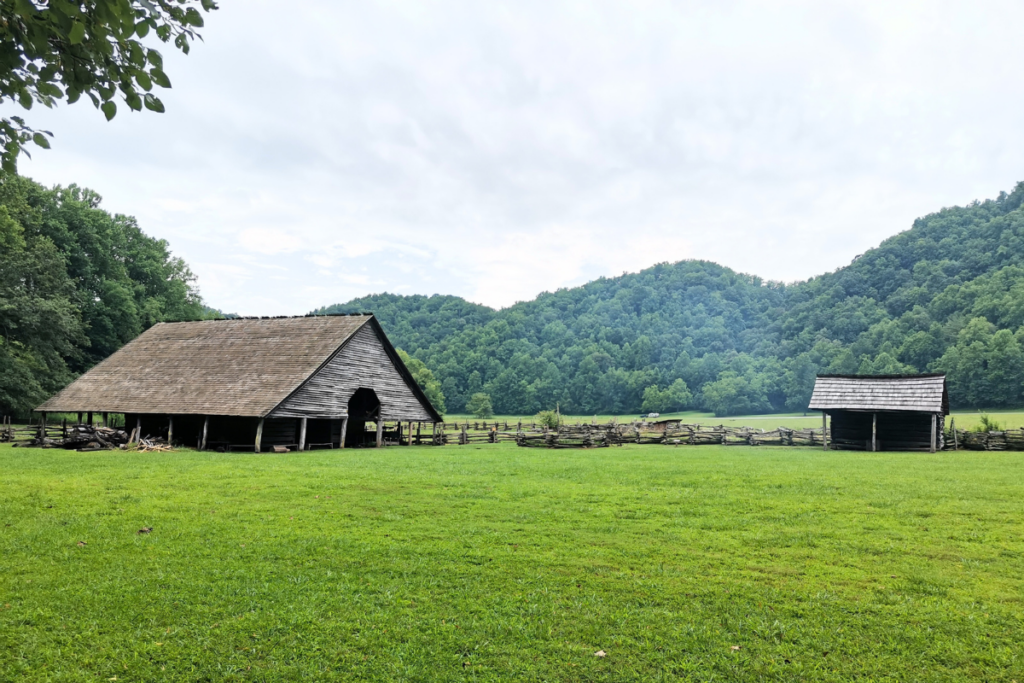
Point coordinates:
pixel 363 362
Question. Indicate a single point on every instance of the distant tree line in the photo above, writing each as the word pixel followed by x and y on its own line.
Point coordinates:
pixel 946 295
pixel 76 283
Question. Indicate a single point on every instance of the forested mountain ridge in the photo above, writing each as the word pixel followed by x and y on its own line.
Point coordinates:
pixel 945 295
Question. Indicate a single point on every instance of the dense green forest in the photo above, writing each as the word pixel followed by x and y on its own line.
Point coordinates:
pixel 946 295
pixel 76 283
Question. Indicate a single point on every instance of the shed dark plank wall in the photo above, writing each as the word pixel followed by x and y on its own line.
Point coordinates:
pixel 363 362
pixel 851 431
pixel 897 431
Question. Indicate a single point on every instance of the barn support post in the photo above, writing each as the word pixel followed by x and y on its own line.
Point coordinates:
pixel 79 419
pixel 380 433
pixel 952 425
pixel 206 428
pixel 419 425
pixel 138 428
pixel 935 422
pixel 302 434
pixel 344 430
pixel 259 434
pixel 874 432
pixel 824 430
pixel 409 441
pixel 42 426
pixel 90 418
pixel 106 418
pixel 170 430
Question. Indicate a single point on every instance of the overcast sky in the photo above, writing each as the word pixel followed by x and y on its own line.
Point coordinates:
pixel 314 152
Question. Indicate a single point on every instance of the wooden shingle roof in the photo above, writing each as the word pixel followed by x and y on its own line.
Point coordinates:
pixel 241 367
pixel 912 393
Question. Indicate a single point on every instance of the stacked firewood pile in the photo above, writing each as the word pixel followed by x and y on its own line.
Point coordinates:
pixel 82 438
pixel 77 437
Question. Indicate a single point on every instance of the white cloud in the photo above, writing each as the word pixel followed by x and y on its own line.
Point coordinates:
pixel 495 151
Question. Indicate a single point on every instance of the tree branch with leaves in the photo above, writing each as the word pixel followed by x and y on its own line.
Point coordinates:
pixel 61 50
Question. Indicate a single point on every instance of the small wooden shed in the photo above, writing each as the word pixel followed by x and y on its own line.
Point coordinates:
pixel 883 412
pixel 300 382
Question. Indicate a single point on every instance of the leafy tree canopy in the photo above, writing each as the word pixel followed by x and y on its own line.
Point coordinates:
pixel 76 283
pixel 425 379
pixel 479 405
pixel 60 50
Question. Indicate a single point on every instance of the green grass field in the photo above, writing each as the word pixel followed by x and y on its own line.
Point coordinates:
pixel 502 563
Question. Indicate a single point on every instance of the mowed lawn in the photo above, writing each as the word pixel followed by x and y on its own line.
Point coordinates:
pixel 502 563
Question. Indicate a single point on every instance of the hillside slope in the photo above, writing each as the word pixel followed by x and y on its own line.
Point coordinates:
pixel 947 294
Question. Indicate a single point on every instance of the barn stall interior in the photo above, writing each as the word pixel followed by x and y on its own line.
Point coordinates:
pixel 256 384
pixel 883 412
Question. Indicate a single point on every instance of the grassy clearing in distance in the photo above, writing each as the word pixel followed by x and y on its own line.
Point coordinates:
pixel 498 563
pixel 965 419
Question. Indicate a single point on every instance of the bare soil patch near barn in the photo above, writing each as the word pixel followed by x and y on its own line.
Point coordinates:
pixel 499 563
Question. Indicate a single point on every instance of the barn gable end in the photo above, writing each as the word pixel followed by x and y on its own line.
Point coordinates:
pixel 363 362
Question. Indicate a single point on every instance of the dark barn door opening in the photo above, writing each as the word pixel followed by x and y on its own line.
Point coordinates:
pixel 363 407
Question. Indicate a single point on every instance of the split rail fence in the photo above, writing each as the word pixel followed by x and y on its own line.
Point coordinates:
pixel 579 435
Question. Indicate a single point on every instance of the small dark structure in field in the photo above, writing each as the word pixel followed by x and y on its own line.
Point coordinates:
pixel 883 412
pixel 256 383
pixel 663 425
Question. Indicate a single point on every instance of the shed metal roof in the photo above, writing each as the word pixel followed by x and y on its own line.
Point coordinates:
pixel 239 367
pixel 906 393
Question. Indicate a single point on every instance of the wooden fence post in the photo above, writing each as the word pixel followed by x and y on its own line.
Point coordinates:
pixel 935 422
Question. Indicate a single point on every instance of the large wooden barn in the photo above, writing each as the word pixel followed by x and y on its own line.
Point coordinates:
pixel 883 412
pixel 313 381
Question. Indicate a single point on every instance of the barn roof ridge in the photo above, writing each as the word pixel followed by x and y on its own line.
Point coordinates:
pixel 266 317
pixel 922 375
